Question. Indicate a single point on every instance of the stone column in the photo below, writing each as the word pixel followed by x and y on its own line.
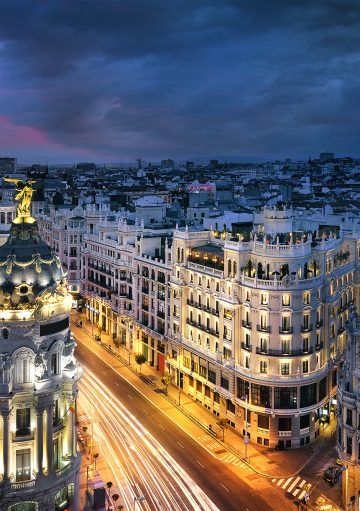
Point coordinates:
pixel 6 441
pixel 71 432
pixel 39 439
pixel 49 438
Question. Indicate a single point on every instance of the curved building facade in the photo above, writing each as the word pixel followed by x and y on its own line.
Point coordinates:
pixel 258 324
pixel 39 462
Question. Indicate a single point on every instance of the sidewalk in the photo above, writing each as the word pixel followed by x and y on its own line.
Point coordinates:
pixel 88 472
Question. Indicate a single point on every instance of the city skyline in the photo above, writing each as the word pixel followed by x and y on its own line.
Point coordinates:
pixel 83 81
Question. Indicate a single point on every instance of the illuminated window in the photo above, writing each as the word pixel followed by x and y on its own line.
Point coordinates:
pixel 286 300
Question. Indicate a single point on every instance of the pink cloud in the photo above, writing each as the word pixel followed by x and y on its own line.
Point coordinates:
pixel 31 144
pixel 13 136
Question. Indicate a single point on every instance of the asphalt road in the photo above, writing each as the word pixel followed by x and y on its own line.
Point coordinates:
pixel 227 491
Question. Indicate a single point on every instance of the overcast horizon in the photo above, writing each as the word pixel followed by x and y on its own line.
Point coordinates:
pixel 116 80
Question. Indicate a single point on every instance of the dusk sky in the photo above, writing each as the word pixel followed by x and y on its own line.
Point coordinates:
pixel 108 80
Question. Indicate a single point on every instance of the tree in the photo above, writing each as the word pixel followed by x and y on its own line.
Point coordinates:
pixel 222 423
pixel 140 359
pixel 116 343
pixel 166 380
pixel 109 486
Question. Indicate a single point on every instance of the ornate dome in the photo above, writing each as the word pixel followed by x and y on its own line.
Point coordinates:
pixel 27 267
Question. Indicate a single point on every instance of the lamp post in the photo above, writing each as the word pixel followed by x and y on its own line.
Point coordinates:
pixel 140 498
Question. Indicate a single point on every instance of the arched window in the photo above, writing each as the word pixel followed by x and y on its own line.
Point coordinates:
pixel 178 254
pixel 260 271
pixel 24 365
pixel 306 271
pixel 229 267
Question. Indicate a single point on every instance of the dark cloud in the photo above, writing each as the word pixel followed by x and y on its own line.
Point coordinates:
pixel 127 78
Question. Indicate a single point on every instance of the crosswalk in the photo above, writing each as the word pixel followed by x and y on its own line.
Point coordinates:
pixel 296 486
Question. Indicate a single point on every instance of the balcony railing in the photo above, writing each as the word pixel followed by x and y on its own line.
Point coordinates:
pixel 246 324
pixel 318 347
pixel 286 330
pixel 306 328
pixel 263 328
pixel 202 327
pixel 284 353
pixel 247 347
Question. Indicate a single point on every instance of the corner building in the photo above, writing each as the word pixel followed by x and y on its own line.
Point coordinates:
pixel 257 322
pixel 39 463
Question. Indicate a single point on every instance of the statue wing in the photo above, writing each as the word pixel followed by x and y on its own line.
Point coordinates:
pixel 12 180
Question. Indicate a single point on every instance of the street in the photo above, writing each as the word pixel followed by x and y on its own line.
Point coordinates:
pixel 165 461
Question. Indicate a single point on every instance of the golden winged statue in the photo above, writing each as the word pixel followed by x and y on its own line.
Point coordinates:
pixel 23 197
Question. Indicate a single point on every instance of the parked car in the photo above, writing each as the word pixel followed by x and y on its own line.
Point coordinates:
pixel 332 474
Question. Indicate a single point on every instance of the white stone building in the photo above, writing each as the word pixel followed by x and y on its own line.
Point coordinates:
pixel 39 462
pixel 250 321
pixel 64 230
pixel 349 418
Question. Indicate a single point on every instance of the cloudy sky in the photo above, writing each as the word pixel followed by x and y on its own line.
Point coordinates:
pixel 105 80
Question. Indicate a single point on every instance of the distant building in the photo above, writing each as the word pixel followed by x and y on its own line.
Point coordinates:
pixel 86 166
pixel 168 163
pixel 7 165
pixel 327 156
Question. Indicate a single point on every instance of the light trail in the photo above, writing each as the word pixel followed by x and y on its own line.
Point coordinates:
pixel 140 465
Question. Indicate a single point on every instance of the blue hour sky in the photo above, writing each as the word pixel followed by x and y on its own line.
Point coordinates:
pixel 105 80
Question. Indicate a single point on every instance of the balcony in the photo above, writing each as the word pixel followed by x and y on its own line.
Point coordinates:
pixel 318 347
pixel 284 433
pixel 282 353
pixel 22 434
pixel 263 328
pixel 247 347
pixel 319 323
pixel 286 330
pixel 246 324
pixel 306 328
pixel 57 423
pixel 202 327
pixel 23 484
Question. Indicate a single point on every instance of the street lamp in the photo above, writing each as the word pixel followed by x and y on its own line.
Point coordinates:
pixel 140 498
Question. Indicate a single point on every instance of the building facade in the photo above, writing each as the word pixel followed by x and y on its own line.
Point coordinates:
pixel 249 323
pixel 64 230
pixel 349 418
pixel 39 462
